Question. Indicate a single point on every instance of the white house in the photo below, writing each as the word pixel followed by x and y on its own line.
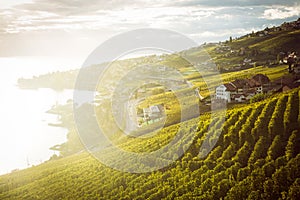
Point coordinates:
pixel 242 89
pixel 154 112
pixel 223 92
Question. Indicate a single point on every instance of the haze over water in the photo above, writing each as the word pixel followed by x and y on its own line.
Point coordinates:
pixel 25 137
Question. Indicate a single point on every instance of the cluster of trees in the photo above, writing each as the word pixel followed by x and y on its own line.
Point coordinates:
pixel 54 80
pixel 256 156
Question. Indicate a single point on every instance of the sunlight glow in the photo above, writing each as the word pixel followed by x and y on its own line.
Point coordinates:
pixel 9 3
pixel 25 136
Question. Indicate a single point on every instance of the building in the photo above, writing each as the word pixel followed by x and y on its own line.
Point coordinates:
pixel 241 90
pixel 286 83
pixel 153 113
pixel 240 98
pixel 224 91
pixel 261 79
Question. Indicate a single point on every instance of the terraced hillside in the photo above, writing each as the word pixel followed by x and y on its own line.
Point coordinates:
pixel 257 156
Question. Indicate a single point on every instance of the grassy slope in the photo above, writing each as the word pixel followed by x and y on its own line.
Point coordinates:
pixel 285 41
pixel 267 47
pixel 237 168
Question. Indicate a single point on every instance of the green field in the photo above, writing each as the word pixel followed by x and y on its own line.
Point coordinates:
pixel 257 156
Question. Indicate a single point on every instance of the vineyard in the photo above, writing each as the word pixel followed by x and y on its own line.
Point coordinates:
pixel 256 156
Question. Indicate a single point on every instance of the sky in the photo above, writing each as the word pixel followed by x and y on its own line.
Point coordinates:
pixel 73 29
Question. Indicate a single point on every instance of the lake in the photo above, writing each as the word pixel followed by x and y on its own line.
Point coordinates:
pixel 25 137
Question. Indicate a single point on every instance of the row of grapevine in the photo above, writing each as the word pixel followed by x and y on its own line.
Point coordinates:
pixel 256 156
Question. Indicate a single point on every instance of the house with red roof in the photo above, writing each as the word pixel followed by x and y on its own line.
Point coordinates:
pixel 241 90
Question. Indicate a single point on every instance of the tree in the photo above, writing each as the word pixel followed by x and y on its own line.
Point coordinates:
pixel 278 58
pixel 290 62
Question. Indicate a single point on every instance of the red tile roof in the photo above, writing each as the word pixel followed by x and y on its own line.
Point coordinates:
pixel 230 87
pixel 260 78
pixel 240 83
pixel 253 83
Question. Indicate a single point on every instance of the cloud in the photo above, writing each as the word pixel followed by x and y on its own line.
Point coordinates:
pixel 80 7
pixel 203 20
pixel 225 17
pixel 232 3
pixel 9 3
pixel 219 35
pixel 281 12
pixel 98 14
pixel 25 20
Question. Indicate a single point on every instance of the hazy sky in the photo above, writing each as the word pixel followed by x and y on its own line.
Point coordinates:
pixel 74 28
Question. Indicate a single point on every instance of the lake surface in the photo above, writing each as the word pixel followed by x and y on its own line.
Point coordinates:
pixel 25 137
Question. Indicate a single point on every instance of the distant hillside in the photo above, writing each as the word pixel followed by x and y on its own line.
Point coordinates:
pixel 262 48
pixel 266 47
pixel 256 157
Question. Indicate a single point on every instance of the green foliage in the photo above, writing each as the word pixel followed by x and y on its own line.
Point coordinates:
pixel 294 191
pixel 251 160
pixel 276 126
pixel 260 127
pixel 293 145
pixel 258 97
pixel 243 154
pixel 291 114
pixel 276 148
pixel 259 150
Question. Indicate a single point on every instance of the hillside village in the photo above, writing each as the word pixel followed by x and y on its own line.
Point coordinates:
pixel 250 51
pixel 259 48
pixel 286 26
pixel 242 90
